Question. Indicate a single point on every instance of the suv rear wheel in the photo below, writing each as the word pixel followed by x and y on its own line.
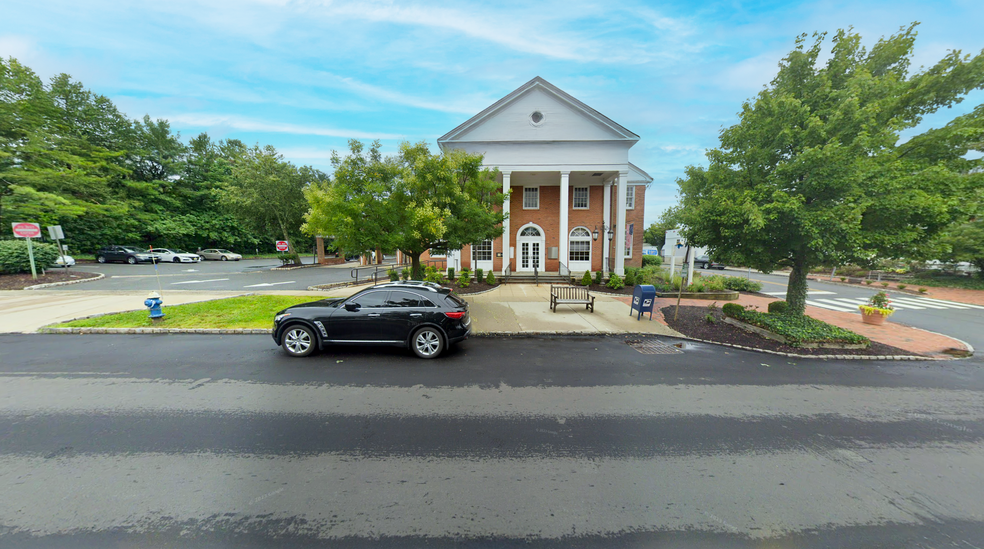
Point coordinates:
pixel 427 343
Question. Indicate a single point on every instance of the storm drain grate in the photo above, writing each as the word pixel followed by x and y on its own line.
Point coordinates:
pixel 653 347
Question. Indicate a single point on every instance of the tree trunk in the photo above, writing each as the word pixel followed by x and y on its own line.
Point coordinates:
pixel 416 273
pixel 379 255
pixel 797 287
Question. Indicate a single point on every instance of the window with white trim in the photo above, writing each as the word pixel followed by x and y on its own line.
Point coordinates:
pixel 580 198
pixel 482 251
pixel 630 197
pixel 580 248
pixel 531 198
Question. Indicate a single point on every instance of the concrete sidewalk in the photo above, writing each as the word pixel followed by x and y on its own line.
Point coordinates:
pixel 523 308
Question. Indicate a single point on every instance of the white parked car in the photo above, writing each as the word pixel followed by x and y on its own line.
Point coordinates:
pixel 174 256
pixel 219 254
pixel 68 260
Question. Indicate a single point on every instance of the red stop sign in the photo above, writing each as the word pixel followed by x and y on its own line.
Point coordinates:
pixel 27 230
pixel 281 245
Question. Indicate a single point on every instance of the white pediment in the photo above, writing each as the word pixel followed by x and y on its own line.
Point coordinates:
pixel 538 111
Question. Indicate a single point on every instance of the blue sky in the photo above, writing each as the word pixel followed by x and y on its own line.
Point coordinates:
pixel 306 76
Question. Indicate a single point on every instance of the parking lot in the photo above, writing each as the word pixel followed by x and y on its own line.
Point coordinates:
pixel 246 275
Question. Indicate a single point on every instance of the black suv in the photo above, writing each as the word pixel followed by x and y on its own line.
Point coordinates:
pixel 123 253
pixel 423 316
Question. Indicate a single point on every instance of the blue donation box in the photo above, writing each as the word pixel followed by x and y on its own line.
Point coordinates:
pixel 643 300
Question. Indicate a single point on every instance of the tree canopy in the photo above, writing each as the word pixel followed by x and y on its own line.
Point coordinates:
pixel 815 173
pixel 68 156
pixel 412 202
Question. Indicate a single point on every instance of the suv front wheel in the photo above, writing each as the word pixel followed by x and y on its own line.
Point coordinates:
pixel 101 258
pixel 131 260
pixel 299 340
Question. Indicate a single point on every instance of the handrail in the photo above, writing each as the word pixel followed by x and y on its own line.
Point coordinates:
pixel 536 275
pixel 374 276
pixel 564 271
pixel 506 271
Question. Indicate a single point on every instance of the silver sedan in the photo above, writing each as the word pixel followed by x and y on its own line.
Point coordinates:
pixel 219 254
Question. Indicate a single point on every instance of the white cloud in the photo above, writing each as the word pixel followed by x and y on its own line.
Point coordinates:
pixel 247 124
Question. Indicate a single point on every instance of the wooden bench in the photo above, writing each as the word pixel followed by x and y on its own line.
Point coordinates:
pixel 570 295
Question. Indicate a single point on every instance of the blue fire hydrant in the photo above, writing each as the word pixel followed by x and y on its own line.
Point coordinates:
pixel 153 302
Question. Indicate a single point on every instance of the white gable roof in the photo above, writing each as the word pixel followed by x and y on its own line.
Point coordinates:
pixel 564 118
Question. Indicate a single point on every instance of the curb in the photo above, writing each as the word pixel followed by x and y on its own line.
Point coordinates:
pixel 511 335
pixel 291 268
pixel 333 285
pixel 66 283
pixel 210 331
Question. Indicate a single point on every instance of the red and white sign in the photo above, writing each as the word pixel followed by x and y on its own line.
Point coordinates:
pixel 281 245
pixel 26 230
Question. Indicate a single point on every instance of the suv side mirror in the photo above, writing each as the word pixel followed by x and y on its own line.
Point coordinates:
pixel 352 307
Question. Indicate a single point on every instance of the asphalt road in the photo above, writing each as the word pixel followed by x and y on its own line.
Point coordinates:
pixel 959 320
pixel 223 441
pixel 245 275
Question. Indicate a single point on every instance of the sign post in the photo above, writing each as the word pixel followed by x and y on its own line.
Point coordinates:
pixel 56 234
pixel 28 231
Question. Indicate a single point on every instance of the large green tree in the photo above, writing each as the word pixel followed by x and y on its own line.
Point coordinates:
pixel 814 172
pixel 414 202
pixel 267 192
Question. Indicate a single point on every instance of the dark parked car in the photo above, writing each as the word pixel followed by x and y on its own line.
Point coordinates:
pixel 704 262
pixel 423 316
pixel 123 253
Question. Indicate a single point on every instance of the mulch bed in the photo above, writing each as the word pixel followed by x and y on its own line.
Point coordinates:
pixel 472 288
pixel 692 322
pixel 23 280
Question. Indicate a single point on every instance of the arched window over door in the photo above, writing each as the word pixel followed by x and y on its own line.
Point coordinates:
pixel 579 254
pixel 530 231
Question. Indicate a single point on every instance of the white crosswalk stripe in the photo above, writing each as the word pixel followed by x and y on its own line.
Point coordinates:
pixel 850 304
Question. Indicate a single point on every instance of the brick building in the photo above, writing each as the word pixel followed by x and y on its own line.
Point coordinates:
pixel 576 203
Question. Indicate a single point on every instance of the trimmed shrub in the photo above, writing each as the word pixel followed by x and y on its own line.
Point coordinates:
pixel 615 282
pixel 630 277
pixel 597 278
pixel 884 284
pixel 464 279
pixel 586 279
pixel 490 279
pixel 394 276
pixel 923 290
pixel 903 286
pixel 406 273
pixel 14 257
pixel 652 260
pixel 869 282
pixel 450 273
pixel 478 275
pixel 733 310
pixel 742 284
pixel 778 307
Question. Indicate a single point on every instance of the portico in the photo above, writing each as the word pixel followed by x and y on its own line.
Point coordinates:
pixel 574 200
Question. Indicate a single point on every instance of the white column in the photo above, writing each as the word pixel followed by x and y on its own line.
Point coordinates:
pixel 623 180
pixel 606 247
pixel 505 224
pixel 564 209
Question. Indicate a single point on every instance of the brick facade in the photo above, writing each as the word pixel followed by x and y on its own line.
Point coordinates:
pixel 547 217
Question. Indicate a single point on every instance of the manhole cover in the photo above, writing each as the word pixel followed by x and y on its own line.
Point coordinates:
pixel 653 347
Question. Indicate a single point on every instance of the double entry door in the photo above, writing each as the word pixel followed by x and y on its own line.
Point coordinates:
pixel 530 243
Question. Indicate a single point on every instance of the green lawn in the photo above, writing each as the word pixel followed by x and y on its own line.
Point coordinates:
pixel 253 311
pixel 943 281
